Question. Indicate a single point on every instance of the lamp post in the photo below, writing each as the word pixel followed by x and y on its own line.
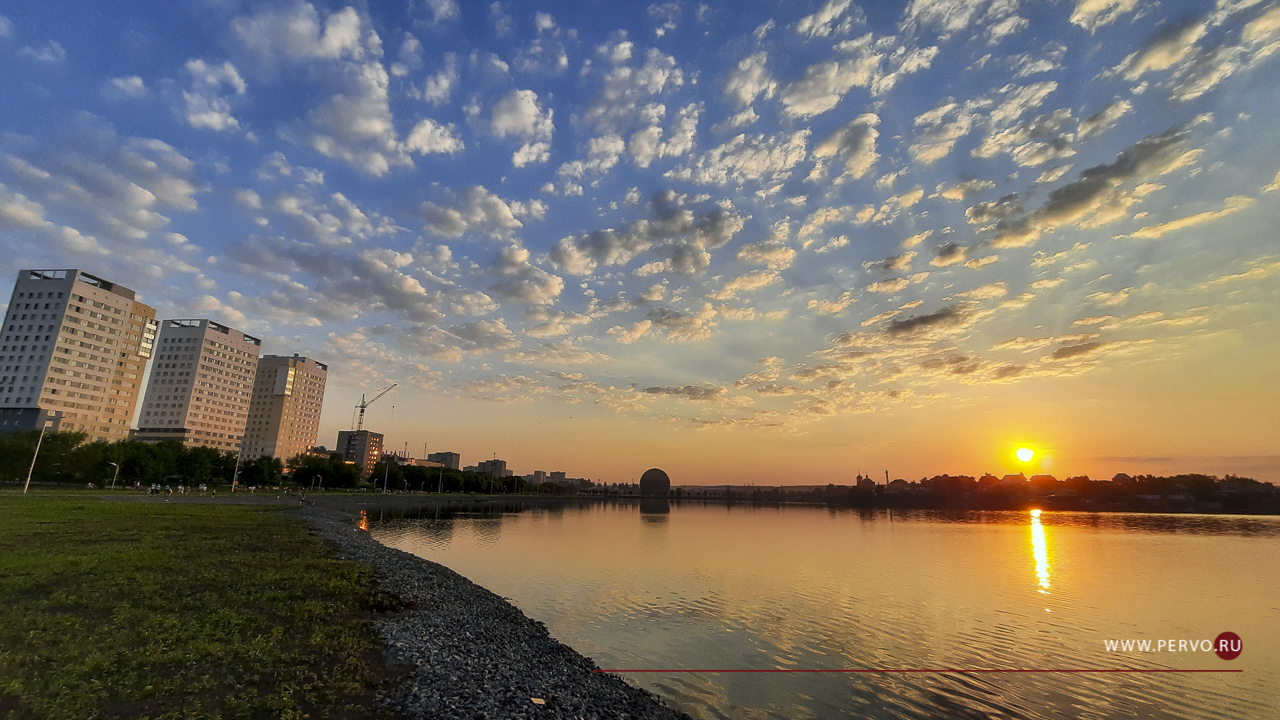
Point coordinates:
pixel 116 475
pixel 235 476
pixel 47 424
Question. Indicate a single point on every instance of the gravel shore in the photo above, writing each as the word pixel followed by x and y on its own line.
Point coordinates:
pixel 471 654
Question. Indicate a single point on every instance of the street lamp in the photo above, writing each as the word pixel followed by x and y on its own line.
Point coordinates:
pixel 116 475
pixel 47 424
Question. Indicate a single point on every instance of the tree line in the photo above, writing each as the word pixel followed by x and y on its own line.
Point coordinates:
pixel 68 457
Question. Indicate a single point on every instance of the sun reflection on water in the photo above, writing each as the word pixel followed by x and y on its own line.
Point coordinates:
pixel 1040 549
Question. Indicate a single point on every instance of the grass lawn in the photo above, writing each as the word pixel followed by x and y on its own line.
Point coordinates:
pixel 152 610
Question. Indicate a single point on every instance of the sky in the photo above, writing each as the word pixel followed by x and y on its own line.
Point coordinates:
pixel 770 243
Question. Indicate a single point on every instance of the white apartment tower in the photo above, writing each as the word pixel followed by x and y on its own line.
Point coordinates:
pixel 75 344
pixel 200 386
pixel 284 413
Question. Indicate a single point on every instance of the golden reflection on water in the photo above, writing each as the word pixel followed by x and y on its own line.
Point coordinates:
pixel 1040 549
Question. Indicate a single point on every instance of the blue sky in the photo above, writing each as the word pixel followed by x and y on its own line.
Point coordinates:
pixel 765 241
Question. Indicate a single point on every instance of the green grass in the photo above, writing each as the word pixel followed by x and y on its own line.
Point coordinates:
pixel 152 610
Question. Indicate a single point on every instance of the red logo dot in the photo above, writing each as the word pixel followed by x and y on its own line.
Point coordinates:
pixel 1228 646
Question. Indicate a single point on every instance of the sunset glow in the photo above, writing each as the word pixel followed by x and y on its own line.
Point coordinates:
pixel 758 243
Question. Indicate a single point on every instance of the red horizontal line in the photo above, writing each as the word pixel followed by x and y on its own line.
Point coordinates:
pixel 913 670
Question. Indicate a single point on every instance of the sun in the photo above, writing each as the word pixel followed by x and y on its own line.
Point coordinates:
pixel 1025 454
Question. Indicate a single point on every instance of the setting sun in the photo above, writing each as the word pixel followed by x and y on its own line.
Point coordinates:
pixel 1025 454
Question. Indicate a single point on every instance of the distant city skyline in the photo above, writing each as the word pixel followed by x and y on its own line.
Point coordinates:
pixel 772 244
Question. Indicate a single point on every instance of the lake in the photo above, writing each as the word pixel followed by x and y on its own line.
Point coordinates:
pixel 690 586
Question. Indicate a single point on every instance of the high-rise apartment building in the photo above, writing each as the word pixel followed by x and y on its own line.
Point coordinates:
pixel 361 447
pixel 200 387
pixel 284 412
pixel 75 344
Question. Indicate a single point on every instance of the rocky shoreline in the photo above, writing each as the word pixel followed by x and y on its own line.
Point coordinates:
pixel 468 653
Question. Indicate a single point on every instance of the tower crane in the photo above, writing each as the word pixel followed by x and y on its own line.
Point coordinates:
pixel 366 403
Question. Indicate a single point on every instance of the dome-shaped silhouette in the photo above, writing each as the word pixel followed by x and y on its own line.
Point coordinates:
pixel 655 482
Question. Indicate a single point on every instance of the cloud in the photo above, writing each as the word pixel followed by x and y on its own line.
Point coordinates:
pixel 1109 299
pixel 747 158
pixel 628 91
pixel 443 10
pixel 824 22
pixel 647 144
pixel 943 126
pixel 522 282
pixel 746 283
pixel 682 326
pixel 546 53
pixel 355 124
pixel 989 291
pixel 697 393
pixel 438 87
pixel 855 143
pixel 1077 352
pixel 477 210
pixel 1098 196
pixel 865 62
pixel 125 87
pixel 484 336
pixel 551 323
pixel 683 236
pixel 1098 122
pixel 1022 344
pixel 948 253
pixel 772 253
pixel 963 190
pixel 664 17
pixel 1154 232
pixel 287 36
pixel 561 353
pixel 1167 48
pixel 771 371
pixel 888 286
pixel 504 388
pixel 428 137
pixel 898 263
pixel 750 80
pixel 118 195
pixel 205 103
pixel 248 199
pixel 1202 70
pixel 1093 14
pixel 919 325
pixel 915 240
pixel 49 52
pixel 833 307
pixel 626 336
pixel 519 114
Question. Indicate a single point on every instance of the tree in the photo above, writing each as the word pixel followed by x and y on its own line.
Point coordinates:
pixel 262 470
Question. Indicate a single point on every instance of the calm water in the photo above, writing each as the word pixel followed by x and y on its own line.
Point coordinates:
pixel 741 587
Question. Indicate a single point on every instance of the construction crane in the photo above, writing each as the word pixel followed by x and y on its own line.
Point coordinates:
pixel 366 403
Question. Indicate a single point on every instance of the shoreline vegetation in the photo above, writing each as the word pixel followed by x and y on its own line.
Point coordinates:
pixel 67 460
pixel 126 605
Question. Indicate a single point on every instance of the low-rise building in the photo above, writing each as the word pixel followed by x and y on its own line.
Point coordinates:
pixel 451 460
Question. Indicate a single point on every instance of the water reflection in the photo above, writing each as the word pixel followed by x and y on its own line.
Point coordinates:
pixel 700 585
pixel 654 506
pixel 1040 550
